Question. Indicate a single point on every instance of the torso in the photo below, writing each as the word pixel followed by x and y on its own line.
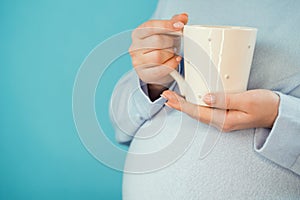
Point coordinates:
pixel 232 170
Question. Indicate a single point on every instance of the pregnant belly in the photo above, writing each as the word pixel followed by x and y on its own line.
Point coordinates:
pixel 231 170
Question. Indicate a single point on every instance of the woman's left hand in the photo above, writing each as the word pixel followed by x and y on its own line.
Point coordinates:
pixel 229 112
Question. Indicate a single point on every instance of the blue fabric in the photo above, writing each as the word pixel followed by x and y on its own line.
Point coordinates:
pixel 281 144
pixel 276 66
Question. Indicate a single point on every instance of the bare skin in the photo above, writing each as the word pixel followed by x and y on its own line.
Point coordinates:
pixel 229 112
pixel 153 52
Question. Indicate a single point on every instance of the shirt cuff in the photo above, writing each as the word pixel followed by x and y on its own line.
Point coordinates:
pixel 281 144
pixel 141 101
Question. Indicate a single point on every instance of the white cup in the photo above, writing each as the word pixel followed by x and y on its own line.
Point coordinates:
pixel 216 59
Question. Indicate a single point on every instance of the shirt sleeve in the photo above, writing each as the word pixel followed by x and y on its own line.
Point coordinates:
pixel 130 107
pixel 281 144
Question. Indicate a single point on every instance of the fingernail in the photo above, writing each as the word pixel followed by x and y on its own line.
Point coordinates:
pixel 178 59
pixel 178 25
pixel 209 98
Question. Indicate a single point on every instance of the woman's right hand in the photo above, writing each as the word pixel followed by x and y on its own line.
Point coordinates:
pixel 154 51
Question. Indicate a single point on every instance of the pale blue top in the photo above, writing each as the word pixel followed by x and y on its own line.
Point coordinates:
pixel 244 155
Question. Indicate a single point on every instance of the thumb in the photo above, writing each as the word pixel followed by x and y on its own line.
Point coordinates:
pixel 179 20
pixel 224 100
pixel 183 17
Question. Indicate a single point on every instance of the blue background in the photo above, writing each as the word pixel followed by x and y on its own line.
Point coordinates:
pixel 43 44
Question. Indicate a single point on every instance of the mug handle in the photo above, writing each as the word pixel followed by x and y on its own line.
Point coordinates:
pixel 185 89
pixel 182 84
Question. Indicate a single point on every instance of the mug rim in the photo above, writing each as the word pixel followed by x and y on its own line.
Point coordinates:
pixel 224 27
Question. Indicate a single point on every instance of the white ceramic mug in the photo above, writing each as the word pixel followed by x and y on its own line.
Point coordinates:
pixel 217 59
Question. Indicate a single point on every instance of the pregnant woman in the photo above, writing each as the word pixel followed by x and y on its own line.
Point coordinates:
pixel 257 153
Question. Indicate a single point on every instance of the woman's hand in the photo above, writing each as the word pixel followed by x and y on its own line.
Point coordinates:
pixel 229 112
pixel 153 51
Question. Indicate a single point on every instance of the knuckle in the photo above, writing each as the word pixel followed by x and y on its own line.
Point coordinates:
pixel 141 76
pixel 136 56
pixel 135 62
pixel 134 34
pixel 139 32
pixel 131 50
pixel 134 50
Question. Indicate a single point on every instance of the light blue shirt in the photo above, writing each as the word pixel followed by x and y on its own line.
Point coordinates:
pixel 276 66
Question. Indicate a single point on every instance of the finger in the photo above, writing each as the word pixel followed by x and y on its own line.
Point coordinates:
pixel 156 42
pixel 183 17
pixel 152 58
pixel 224 120
pixel 201 113
pixel 230 120
pixel 152 27
pixel 226 100
pixel 158 57
pixel 156 72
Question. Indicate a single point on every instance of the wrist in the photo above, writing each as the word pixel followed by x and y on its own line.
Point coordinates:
pixel 276 101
